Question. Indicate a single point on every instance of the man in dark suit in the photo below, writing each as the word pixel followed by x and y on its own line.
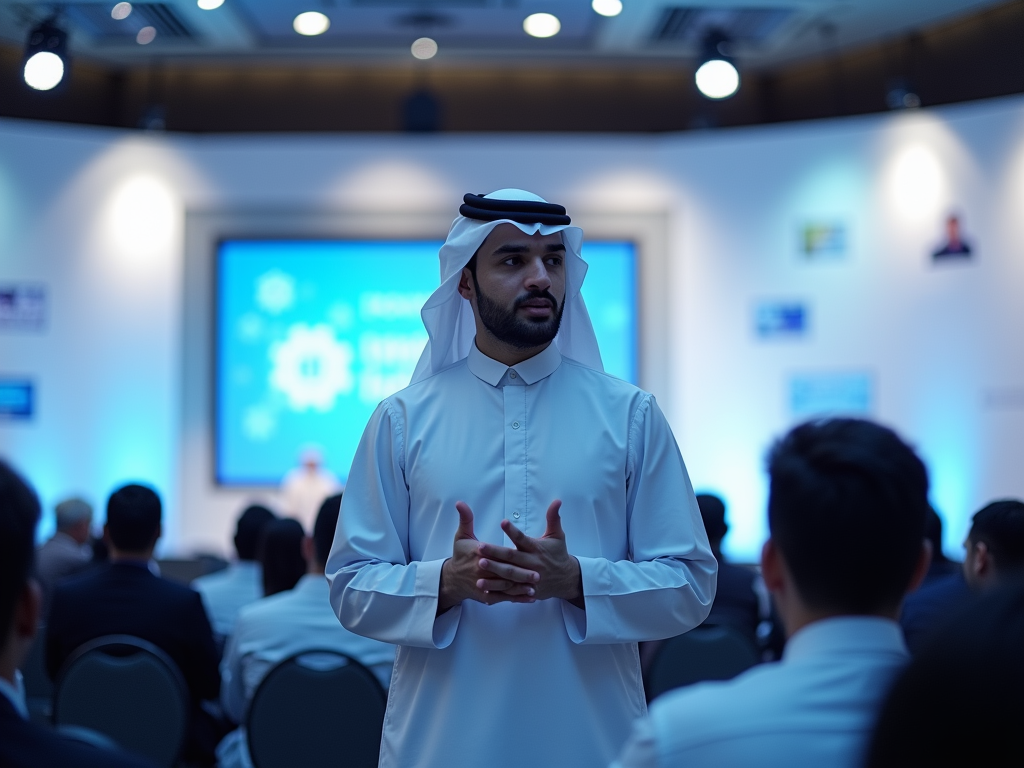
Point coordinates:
pixel 23 743
pixel 125 597
pixel 736 604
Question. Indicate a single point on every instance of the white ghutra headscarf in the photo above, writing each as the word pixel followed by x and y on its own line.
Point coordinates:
pixel 448 317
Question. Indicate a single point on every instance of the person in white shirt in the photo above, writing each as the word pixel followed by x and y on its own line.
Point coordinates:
pixel 226 592
pixel 847 509
pixel 516 520
pixel 67 552
pixel 282 625
pixel 304 488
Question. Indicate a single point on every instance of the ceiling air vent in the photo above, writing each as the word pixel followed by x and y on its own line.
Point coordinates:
pixel 751 26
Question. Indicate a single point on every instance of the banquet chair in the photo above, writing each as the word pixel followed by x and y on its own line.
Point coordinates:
pixel 316 709
pixel 708 652
pixel 128 690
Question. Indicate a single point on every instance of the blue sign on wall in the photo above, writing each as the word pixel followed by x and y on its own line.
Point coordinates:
pixel 831 393
pixel 780 319
pixel 17 399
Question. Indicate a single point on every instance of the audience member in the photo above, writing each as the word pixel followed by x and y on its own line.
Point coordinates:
pixel 68 550
pixel 840 489
pixel 736 602
pixel 225 592
pixel 277 627
pixel 941 566
pixel 995 551
pixel 125 597
pixel 281 555
pixel 24 744
pixel 961 701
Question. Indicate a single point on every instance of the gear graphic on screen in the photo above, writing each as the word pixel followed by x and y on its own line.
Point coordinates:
pixel 275 291
pixel 311 367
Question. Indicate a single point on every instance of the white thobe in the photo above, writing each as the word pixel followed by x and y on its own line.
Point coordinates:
pixel 540 684
pixel 302 493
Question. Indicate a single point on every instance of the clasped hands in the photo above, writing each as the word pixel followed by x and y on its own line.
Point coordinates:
pixel 537 569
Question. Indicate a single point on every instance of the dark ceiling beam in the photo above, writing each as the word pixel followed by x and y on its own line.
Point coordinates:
pixel 974 57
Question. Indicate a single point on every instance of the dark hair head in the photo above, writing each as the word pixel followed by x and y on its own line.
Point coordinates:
pixel 933 532
pixel 19 513
pixel 847 509
pixel 712 512
pixel 281 555
pixel 1000 526
pixel 961 700
pixel 249 529
pixel 323 529
pixel 133 518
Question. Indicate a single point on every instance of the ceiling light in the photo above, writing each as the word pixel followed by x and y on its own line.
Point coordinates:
pixel 607 7
pixel 717 77
pixel 311 23
pixel 121 11
pixel 146 36
pixel 209 5
pixel 424 48
pixel 45 56
pixel 541 25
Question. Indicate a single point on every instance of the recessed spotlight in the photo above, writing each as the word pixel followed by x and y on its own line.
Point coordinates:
pixel 146 36
pixel 717 77
pixel 44 71
pixel 311 23
pixel 121 11
pixel 209 5
pixel 607 7
pixel 541 25
pixel 424 48
pixel 45 56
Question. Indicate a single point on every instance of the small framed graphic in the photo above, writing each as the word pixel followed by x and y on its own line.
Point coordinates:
pixel 22 307
pixel 953 247
pixel 781 319
pixel 823 240
pixel 831 393
pixel 17 399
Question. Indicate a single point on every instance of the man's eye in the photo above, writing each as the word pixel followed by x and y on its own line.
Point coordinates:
pixel 555 261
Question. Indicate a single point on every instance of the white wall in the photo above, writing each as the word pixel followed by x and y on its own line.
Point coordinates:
pixel 98 216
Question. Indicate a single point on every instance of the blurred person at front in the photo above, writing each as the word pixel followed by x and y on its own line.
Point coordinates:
pixel 124 597
pixel 24 744
pixel 516 519
pixel 68 551
pixel 840 491
pixel 226 592
pixel 277 627
pixel 961 700
pixel 280 553
pixel 994 554
pixel 304 488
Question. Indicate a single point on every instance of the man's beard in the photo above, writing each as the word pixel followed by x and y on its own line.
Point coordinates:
pixel 506 326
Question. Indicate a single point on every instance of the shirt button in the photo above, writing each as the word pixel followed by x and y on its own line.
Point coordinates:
pixel 515 515
pixel 512 374
pixel 515 425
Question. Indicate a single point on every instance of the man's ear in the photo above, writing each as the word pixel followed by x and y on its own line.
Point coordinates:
pixel 772 569
pixel 26 615
pixel 982 561
pixel 466 284
pixel 308 549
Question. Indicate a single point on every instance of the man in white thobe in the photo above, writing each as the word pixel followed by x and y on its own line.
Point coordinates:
pixel 516 520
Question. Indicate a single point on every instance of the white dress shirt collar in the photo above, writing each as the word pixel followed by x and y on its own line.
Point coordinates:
pixel 845 634
pixel 531 370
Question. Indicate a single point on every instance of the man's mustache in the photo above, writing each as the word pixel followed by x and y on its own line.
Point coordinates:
pixel 533 295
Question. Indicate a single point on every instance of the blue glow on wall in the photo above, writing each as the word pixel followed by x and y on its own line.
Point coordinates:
pixel 311 335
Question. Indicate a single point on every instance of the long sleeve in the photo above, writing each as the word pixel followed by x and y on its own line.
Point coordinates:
pixel 232 689
pixel 377 590
pixel 668 584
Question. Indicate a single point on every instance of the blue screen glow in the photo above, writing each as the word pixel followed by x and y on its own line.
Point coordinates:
pixel 311 335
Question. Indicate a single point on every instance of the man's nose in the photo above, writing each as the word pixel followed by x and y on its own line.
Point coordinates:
pixel 537 277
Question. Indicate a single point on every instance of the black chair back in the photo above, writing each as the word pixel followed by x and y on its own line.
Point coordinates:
pixel 317 709
pixel 703 653
pixel 129 690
